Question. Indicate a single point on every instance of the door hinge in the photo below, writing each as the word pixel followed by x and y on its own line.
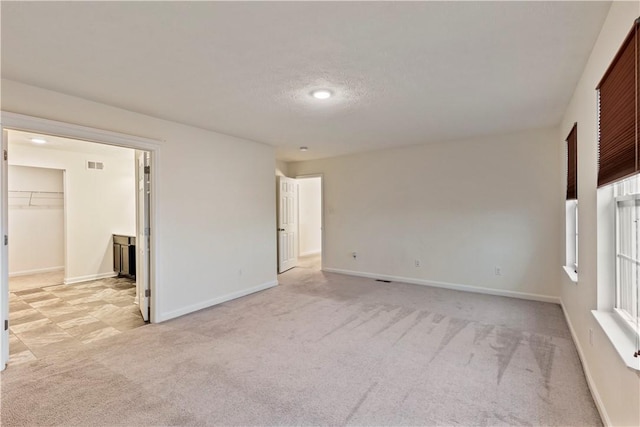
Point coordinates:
pixel 6 240
pixel 147 293
pixel 147 170
pixel 5 155
pixel 6 325
pixel 147 231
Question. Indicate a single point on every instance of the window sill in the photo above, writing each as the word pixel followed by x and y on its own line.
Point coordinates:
pixel 571 273
pixel 620 336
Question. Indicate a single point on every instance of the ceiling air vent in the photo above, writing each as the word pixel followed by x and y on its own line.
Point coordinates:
pixel 95 165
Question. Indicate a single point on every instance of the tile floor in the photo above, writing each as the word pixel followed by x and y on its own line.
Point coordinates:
pixel 52 319
pixel 40 280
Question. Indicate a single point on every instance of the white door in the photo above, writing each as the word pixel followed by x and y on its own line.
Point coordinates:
pixel 287 223
pixel 143 232
pixel 4 255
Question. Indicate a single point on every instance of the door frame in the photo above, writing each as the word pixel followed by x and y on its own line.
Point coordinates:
pixel 4 253
pixel 21 122
pixel 322 225
pixel 143 226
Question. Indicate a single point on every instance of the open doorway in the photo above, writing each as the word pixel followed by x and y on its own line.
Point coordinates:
pixel 102 287
pixel 300 222
pixel 310 221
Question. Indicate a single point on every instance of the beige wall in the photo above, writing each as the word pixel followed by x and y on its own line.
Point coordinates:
pixel 282 168
pixel 37 232
pixel 214 228
pixel 460 208
pixel 616 387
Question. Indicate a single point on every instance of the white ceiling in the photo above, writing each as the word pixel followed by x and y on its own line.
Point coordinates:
pixel 403 73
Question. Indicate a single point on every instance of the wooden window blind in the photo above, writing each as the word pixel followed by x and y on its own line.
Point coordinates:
pixel 572 163
pixel 618 94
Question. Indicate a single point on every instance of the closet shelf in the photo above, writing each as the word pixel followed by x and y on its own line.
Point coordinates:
pixel 36 199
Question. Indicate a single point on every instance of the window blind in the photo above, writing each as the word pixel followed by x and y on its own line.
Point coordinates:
pixel 572 163
pixel 618 94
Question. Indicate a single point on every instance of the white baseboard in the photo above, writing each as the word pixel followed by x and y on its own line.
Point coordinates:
pixel 310 253
pixel 215 301
pixel 592 387
pixel 36 271
pixel 88 278
pixel 445 285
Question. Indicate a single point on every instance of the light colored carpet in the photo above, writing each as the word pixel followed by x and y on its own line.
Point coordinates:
pixel 321 349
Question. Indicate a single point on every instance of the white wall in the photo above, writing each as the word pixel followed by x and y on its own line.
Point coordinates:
pixel 310 215
pixel 282 168
pixel 616 387
pixel 497 207
pixel 36 232
pixel 214 231
pixel 99 203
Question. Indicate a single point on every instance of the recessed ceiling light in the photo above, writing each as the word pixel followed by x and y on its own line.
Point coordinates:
pixel 321 94
pixel 38 140
pixel 304 148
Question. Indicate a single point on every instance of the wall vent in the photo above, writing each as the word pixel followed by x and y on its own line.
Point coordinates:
pixel 95 165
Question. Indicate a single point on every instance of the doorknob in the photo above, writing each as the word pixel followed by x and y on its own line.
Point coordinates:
pixel 280 229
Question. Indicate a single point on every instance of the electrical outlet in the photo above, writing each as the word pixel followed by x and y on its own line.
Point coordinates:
pixel 498 271
pixel 417 263
pixel 590 336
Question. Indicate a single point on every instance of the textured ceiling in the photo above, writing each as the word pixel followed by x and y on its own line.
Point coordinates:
pixel 403 73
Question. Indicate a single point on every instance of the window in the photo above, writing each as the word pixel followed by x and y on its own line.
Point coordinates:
pixel 619 200
pixel 571 263
pixel 572 163
pixel 575 239
pixel 571 227
pixel 627 235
